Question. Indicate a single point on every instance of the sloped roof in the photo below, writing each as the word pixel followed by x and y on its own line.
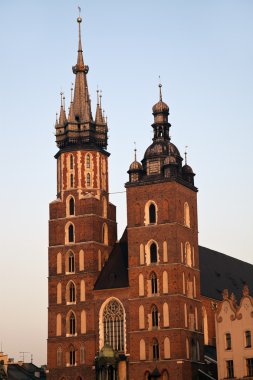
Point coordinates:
pixel 26 371
pixel 219 271
pixel 115 272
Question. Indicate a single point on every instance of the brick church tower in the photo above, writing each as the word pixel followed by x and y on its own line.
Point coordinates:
pixel 82 230
pixel 127 309
pixel 164 279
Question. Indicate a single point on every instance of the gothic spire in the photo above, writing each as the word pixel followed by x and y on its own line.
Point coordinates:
pixel 62 119
pixel 81 102
pixel 99 113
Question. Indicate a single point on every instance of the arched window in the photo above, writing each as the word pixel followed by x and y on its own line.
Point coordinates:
pixel 155 347
pixel 186 215
pixel 165 252
pixel 153 253
pixel 141 285
pixel 71 206
pixel 165 375
pixel 104 203
pixel 113 325
pixel 166 348
pixel 152 213
pixel 72 356
pixel 70 263
pixel 58 325
pixel 166 315
pixel 142 350
pixel 147 375
pixel 71 161
pixel 142 255
pixel 88 161
pixel 81 260
pixel 154 312
pixel 165 282
pixel 58 293
pixel 72 324
pixel 83 322
pixel 59 263
pixel 59 357
pixel 154 287
pixel 105 234
pixel 82 291
pixel 187 348
pixel 88 180
pixel 71 292
pixel 141 317
pixel 70 233
pixel 188 254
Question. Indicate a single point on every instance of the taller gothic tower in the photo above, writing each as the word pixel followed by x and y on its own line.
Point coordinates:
pixel 82 231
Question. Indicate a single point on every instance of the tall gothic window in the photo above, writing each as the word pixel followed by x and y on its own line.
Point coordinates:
pixel 228 341
pixel 247 338
pixel 72 324
pixel 154 287
pixel 154 313
pixel 113 323
pixel 152 213
pixel 153 253
pixel 71 206
pixel 71 292
pixel 155 346
pixel 71 233
pixel 59 357
pixel 71 263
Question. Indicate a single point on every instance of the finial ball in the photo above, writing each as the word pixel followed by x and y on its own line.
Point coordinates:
pixel 79 19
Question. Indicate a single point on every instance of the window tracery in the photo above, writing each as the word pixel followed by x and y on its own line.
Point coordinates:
pixel 113 323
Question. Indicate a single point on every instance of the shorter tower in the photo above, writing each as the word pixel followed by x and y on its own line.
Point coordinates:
pixel 164 302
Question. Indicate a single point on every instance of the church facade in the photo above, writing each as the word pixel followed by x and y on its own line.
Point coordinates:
pixel 131 308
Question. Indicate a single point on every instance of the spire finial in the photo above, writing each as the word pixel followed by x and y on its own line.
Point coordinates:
pixel 56 121
pixel 79 20
pixel 135 151
pixel 61 93
pixel 185 154
pixel 63 102
pixel 160 89
pixel 97 96
pixel 100 99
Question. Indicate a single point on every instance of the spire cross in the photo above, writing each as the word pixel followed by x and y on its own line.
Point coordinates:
pixel 135 150
pixel 160 89
pixel 185 154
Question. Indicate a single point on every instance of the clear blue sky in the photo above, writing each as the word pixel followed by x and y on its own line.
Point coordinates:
pixel 203 52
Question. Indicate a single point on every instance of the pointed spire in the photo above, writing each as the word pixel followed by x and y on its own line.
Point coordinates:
pixel 99 115
pixel 81 102
pixel 135 150
pixel 62 119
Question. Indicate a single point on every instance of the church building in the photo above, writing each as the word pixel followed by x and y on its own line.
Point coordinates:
pixel 130 308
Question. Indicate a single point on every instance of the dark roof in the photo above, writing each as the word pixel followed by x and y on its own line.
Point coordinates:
pixel 219 271
pixel 26 371
pixel 115 272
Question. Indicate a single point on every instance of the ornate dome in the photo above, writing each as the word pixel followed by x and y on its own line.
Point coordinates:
pixel 162 148
pixel 135 165
pixel 160 107
pixel 186 169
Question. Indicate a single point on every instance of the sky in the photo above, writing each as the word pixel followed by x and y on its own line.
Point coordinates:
pixel 202 51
